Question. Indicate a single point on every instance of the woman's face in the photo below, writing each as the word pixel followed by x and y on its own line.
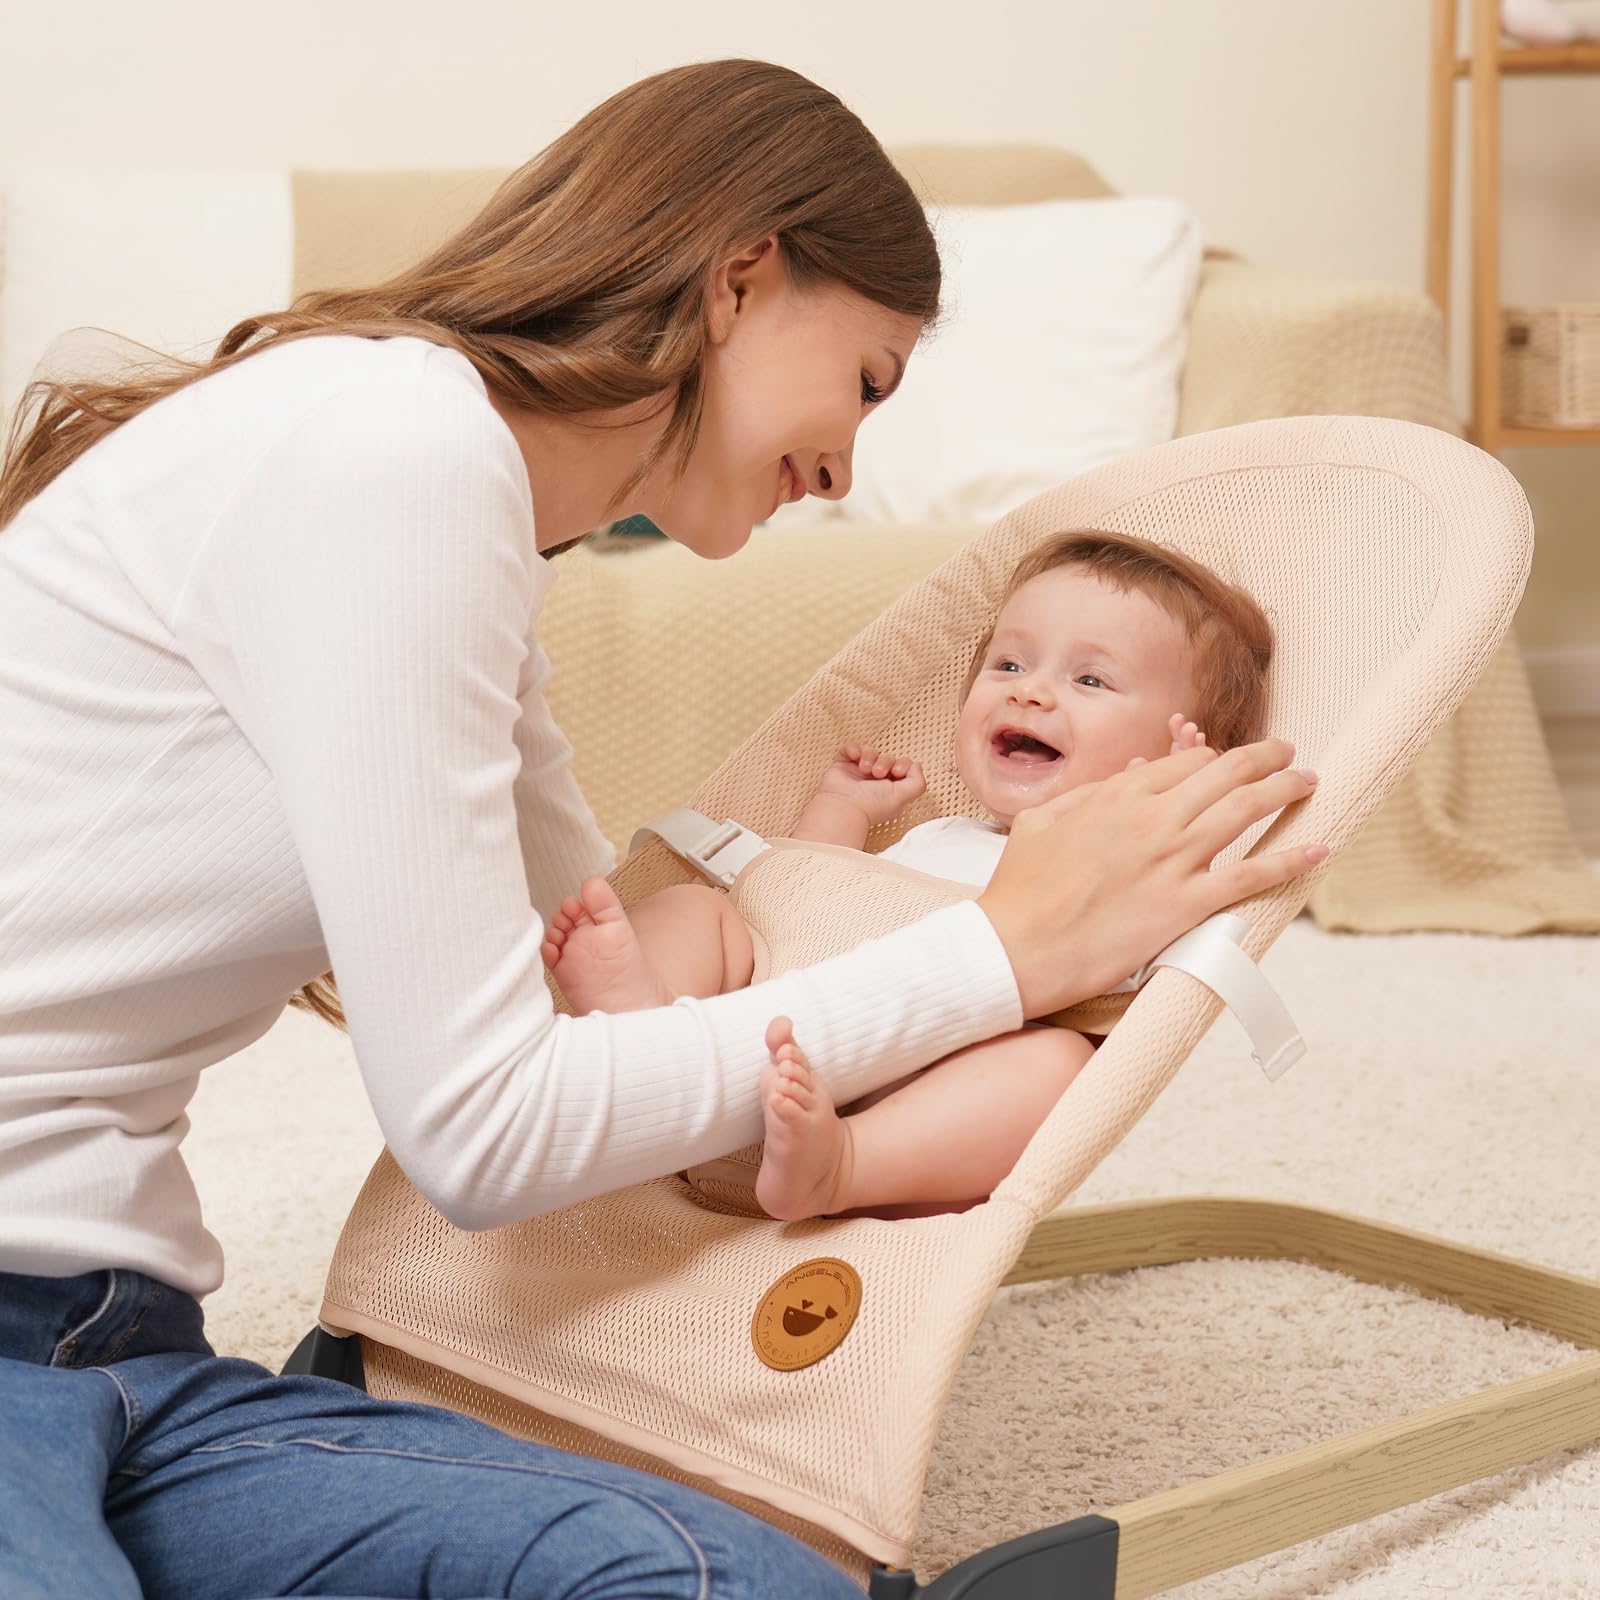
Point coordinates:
pixel 789 376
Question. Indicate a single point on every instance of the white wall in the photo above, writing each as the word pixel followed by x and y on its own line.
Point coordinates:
pixel 1296 130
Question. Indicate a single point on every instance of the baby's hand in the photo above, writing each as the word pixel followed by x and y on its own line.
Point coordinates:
pixel 881 785
pixel 1185 736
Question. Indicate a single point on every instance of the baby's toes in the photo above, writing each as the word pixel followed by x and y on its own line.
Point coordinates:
pixel 794 1074
pixel 790 1105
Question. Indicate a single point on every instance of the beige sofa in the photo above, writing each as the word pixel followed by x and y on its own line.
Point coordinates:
pixel 663 664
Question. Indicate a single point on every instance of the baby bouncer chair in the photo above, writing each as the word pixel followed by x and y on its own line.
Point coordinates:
pixel 799 1369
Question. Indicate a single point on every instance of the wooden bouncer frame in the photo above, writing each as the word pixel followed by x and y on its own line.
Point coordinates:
pixel 1166 1539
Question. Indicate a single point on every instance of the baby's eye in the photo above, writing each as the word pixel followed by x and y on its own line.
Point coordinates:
pixel 871 394
pixel 1005 665
pixel 1089 678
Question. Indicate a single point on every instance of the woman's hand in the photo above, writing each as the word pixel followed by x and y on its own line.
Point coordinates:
pixel 1094 883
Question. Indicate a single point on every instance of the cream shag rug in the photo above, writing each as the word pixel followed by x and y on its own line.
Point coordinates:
pixel 1453 1087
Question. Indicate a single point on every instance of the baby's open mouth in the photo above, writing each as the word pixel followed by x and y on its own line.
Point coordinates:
pixel 1022 749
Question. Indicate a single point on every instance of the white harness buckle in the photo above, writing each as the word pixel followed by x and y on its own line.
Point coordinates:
pixel 719 851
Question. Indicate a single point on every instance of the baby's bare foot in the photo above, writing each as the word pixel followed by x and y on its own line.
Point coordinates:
pixel 805 1166
pixel 596 956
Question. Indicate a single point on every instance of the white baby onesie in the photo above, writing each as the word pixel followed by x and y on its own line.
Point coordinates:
pixel 963 850
pixel 960 848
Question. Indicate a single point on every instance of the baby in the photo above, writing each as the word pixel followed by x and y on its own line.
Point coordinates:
pixel 1098 637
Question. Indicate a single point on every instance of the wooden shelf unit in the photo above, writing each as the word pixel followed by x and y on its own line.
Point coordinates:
pixel 1518 60
pixel 1489 60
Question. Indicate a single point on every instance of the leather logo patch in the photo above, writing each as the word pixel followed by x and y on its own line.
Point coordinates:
pixel 805 1315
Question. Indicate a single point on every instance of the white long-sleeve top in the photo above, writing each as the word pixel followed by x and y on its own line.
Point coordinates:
pixel 271 701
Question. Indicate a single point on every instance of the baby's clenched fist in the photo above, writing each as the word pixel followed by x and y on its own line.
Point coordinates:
pixel 881 785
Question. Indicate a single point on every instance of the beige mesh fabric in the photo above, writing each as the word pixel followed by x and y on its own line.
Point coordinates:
pixel 1476 839
pixel 805 902
pixel 629 1316
pixel 1390 557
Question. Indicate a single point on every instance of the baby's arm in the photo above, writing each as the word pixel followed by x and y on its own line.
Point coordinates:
pixel 861 788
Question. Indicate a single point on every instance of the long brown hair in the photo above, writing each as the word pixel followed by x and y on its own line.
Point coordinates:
pixel 1227 629
pixel 580 286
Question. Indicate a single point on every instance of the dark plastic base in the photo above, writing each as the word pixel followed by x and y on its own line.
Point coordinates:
pixel 1075 1560
pixel 322 1355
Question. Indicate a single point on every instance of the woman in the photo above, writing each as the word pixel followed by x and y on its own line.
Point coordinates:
pixel 270 703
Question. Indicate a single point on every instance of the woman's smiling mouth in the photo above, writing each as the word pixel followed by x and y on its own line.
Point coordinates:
pixel 788 485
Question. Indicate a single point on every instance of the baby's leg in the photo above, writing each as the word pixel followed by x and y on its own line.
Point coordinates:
pixel 940 1141
pixel 695 939
pixel 684 940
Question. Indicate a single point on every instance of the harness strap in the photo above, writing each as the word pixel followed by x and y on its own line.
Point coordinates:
pixel 716 850
pixel 1210 953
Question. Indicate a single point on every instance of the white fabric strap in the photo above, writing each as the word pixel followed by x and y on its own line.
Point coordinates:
pixel 717 850
pixel 1211 953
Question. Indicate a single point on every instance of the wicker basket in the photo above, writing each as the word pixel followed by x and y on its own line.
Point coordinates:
pixel 1550 366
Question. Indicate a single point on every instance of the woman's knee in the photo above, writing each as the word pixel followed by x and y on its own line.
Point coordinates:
pixel 743 1557
pixel 607 1545
pixel 656 1540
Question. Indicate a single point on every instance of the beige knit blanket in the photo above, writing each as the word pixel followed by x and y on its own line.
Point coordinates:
pixel 694 656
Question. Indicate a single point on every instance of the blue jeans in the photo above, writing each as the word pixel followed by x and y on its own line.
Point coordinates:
pixel 134 1461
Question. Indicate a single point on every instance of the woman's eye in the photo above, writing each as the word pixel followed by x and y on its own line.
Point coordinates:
pixel 871 394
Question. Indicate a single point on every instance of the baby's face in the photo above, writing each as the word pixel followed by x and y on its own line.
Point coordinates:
pixel 1079 679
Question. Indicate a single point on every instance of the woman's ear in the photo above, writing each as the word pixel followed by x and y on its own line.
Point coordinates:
pixel 732 279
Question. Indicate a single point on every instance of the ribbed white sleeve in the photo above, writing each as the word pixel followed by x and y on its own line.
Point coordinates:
pixel 561 842
pixel 362 608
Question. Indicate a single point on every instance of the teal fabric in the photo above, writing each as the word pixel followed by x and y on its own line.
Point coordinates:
pixel 636 527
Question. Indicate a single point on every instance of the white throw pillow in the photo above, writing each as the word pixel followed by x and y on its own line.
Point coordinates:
pixel 1063 340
